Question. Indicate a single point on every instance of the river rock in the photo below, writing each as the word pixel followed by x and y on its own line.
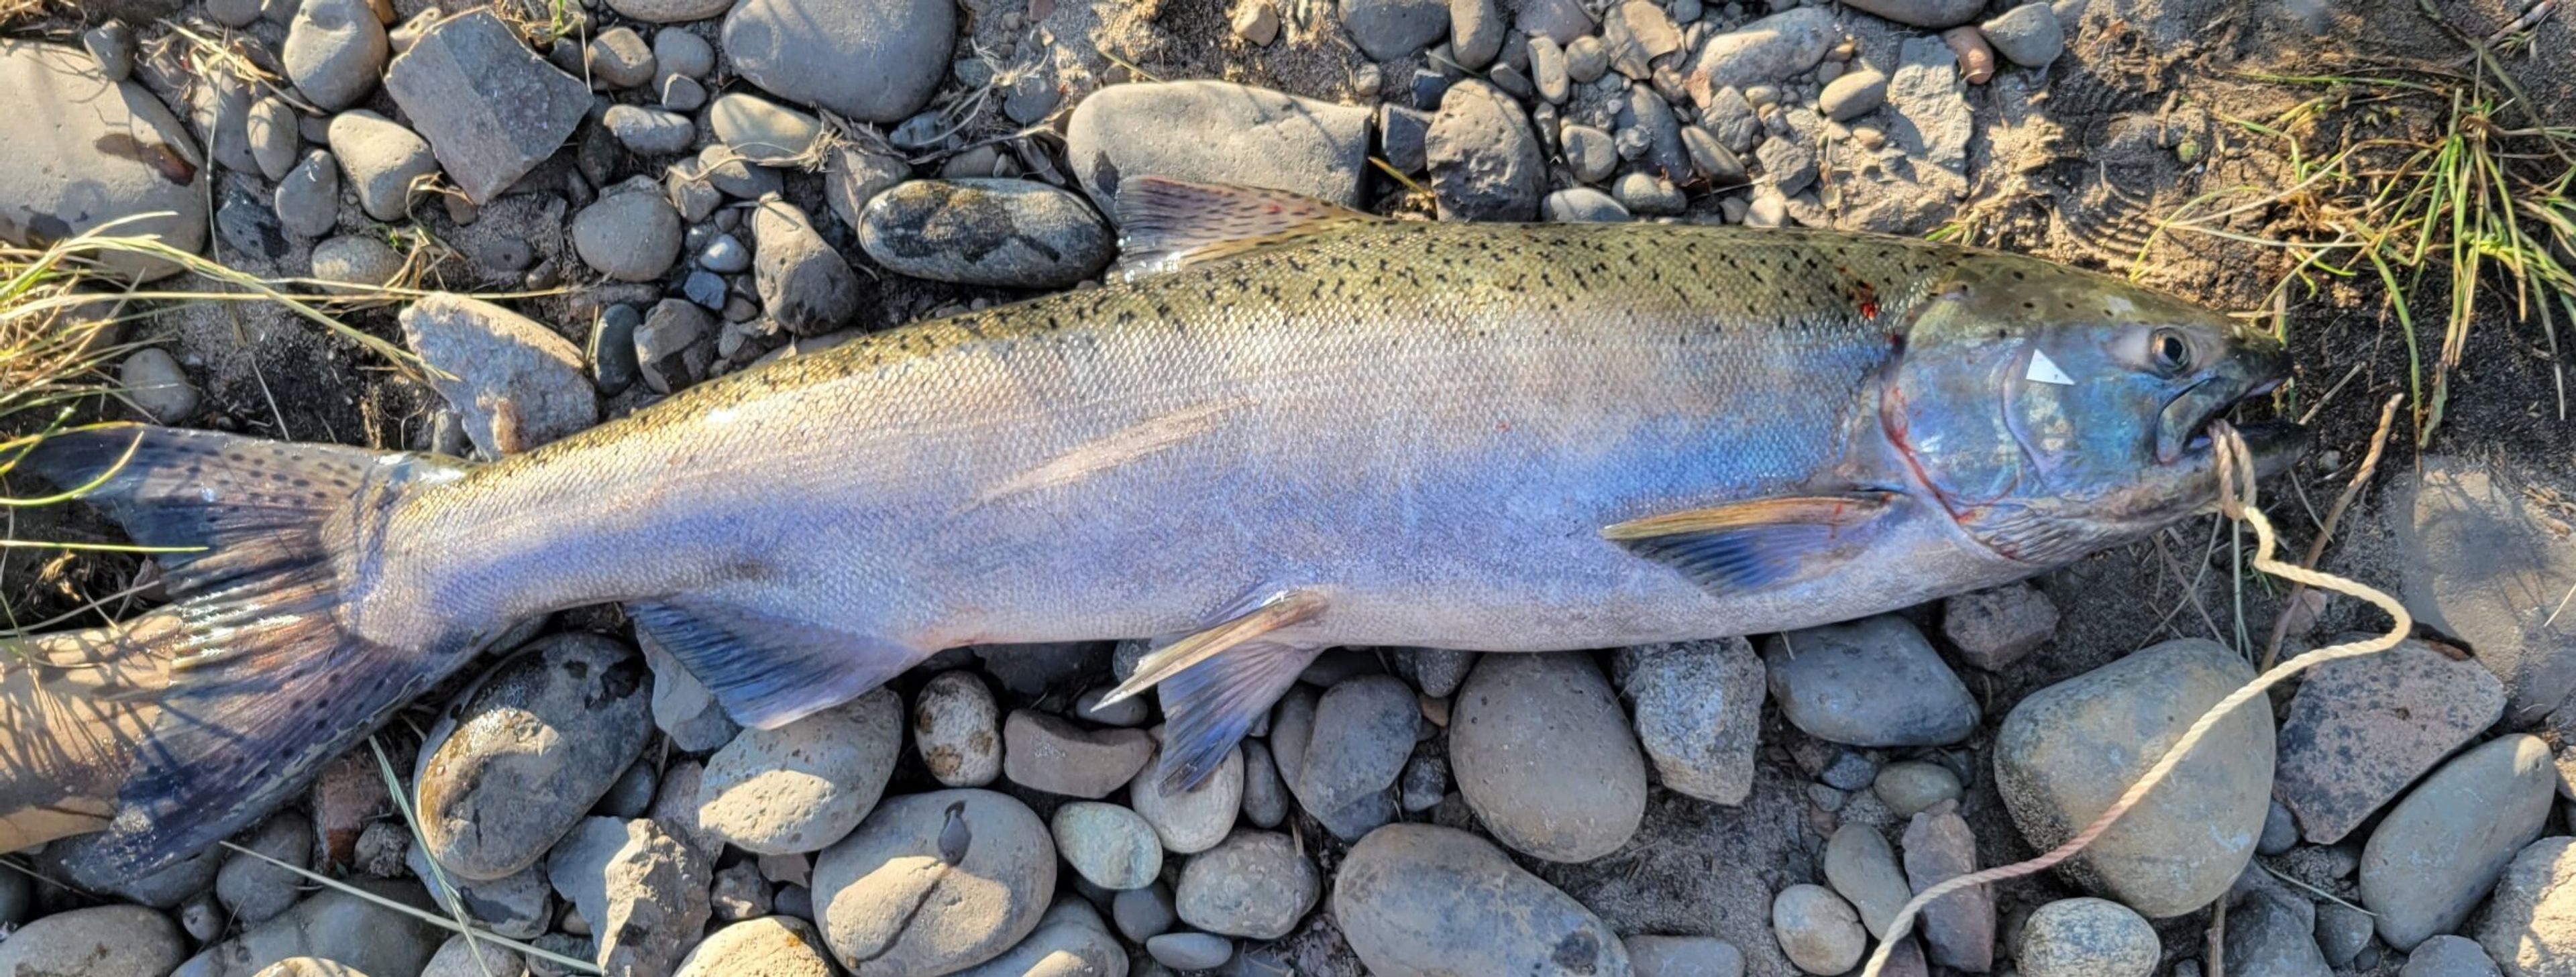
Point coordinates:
pixel 854 176
pixel 953 720
pixel 1763 52
pixel 2067 751
pixel 1863 870
pixel 519 906
pixel 642 889
pixel 629 234
pixel 1255 884
pixel 1216 132
pixel 1265 793
pixel 1070 941
pixel 1912 786
pixel 1362 732
pixel 491 108
pixel 682 706
pixel 155 383
pixel 516 383
pixel 1935 14
pixel 464 956
pixel 2531 927
pixel 1871 682
pixel 1958 929
pixel 308 199
pixel 805 285
pixel 255 890
pixel 2361 729
pixel 274 136
pixel 1193 820
pixel 1019 233
pixel 332 925
pixel 761 131
pixel 1581 204
pixel 802 786
pixel 1996 627
pixel 1417 900
pixel 1111 846
pixel 523 753
pixel 2476 556
pixel 384 162
pixel 1392 29
pixel 2271 932
pixel 1698 712
pixel 1818 931
pixel 670 11
pixel 770 946
pixel 649 132
pixel 1928 117
pixel 100 941
pixel 2448 956
pixel 334 51
pixel 1484 159
pixel 2441 848
pixel 2087 937
pixel 1048 753
pixel 869 60
pixel 934 883
pixel 2027 35
pixel 365 263
pixel 82 151
pixel 1544 757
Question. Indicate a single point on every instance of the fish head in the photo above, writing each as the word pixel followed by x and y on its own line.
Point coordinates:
pixel 2053 411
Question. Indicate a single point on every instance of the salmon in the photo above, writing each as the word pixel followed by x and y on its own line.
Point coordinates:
pixel 1284 427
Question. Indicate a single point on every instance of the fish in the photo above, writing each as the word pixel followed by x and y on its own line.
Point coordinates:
pixel 1282 426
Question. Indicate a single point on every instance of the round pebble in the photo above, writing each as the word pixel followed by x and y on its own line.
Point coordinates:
pixel 2449 956
pixel 1253 884
pixel 335 51
pixel 770 946
pixel 1582 204
pixel 1142 914
pixel 1545 757
pixel 2438 851
pixel 1817 929
pixel 2087 938
pixel 631 236
pixel 1910 787
pixel 1191 951
pixel 255 889
pixel 1853 95
pixel 1872 682
pixel 1193 820
pixel 1113 847
pixel 362 260
pixel 802 786
pixel 101 941
pixel 953 722
pixel 152 381
pixel 649 132
pixel 522 755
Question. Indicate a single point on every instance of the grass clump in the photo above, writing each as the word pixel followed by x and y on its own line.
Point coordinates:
pixel 2481 201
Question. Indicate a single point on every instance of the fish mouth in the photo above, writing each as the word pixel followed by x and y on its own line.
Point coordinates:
pixel 2183 428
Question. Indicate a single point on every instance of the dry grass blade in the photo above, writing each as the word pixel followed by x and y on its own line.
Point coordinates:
pixel 569 963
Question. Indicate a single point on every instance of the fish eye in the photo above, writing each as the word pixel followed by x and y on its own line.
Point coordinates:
pixel 2172 351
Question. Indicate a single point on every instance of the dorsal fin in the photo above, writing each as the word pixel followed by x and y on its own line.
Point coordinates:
pixel 1164 224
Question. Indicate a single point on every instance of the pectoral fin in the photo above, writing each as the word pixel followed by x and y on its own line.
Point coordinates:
pixel 1742 547
pixel 1281 610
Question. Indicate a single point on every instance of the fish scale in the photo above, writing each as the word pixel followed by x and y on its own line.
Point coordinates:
pixel 1289 427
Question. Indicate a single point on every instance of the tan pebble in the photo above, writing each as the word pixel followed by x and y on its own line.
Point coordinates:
pixel 1976 59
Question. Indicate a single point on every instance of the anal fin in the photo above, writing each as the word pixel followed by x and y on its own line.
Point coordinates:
pixel 1279 611
pixel 768 671
pixel 1209 706
pixel 1742 547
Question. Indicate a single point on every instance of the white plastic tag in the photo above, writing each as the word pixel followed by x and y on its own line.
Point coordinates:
pixel 2044 370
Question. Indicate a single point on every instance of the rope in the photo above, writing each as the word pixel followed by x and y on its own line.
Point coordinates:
pixel 2236 498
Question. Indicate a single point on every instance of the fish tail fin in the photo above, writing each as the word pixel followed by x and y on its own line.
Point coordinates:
pixel 262 669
